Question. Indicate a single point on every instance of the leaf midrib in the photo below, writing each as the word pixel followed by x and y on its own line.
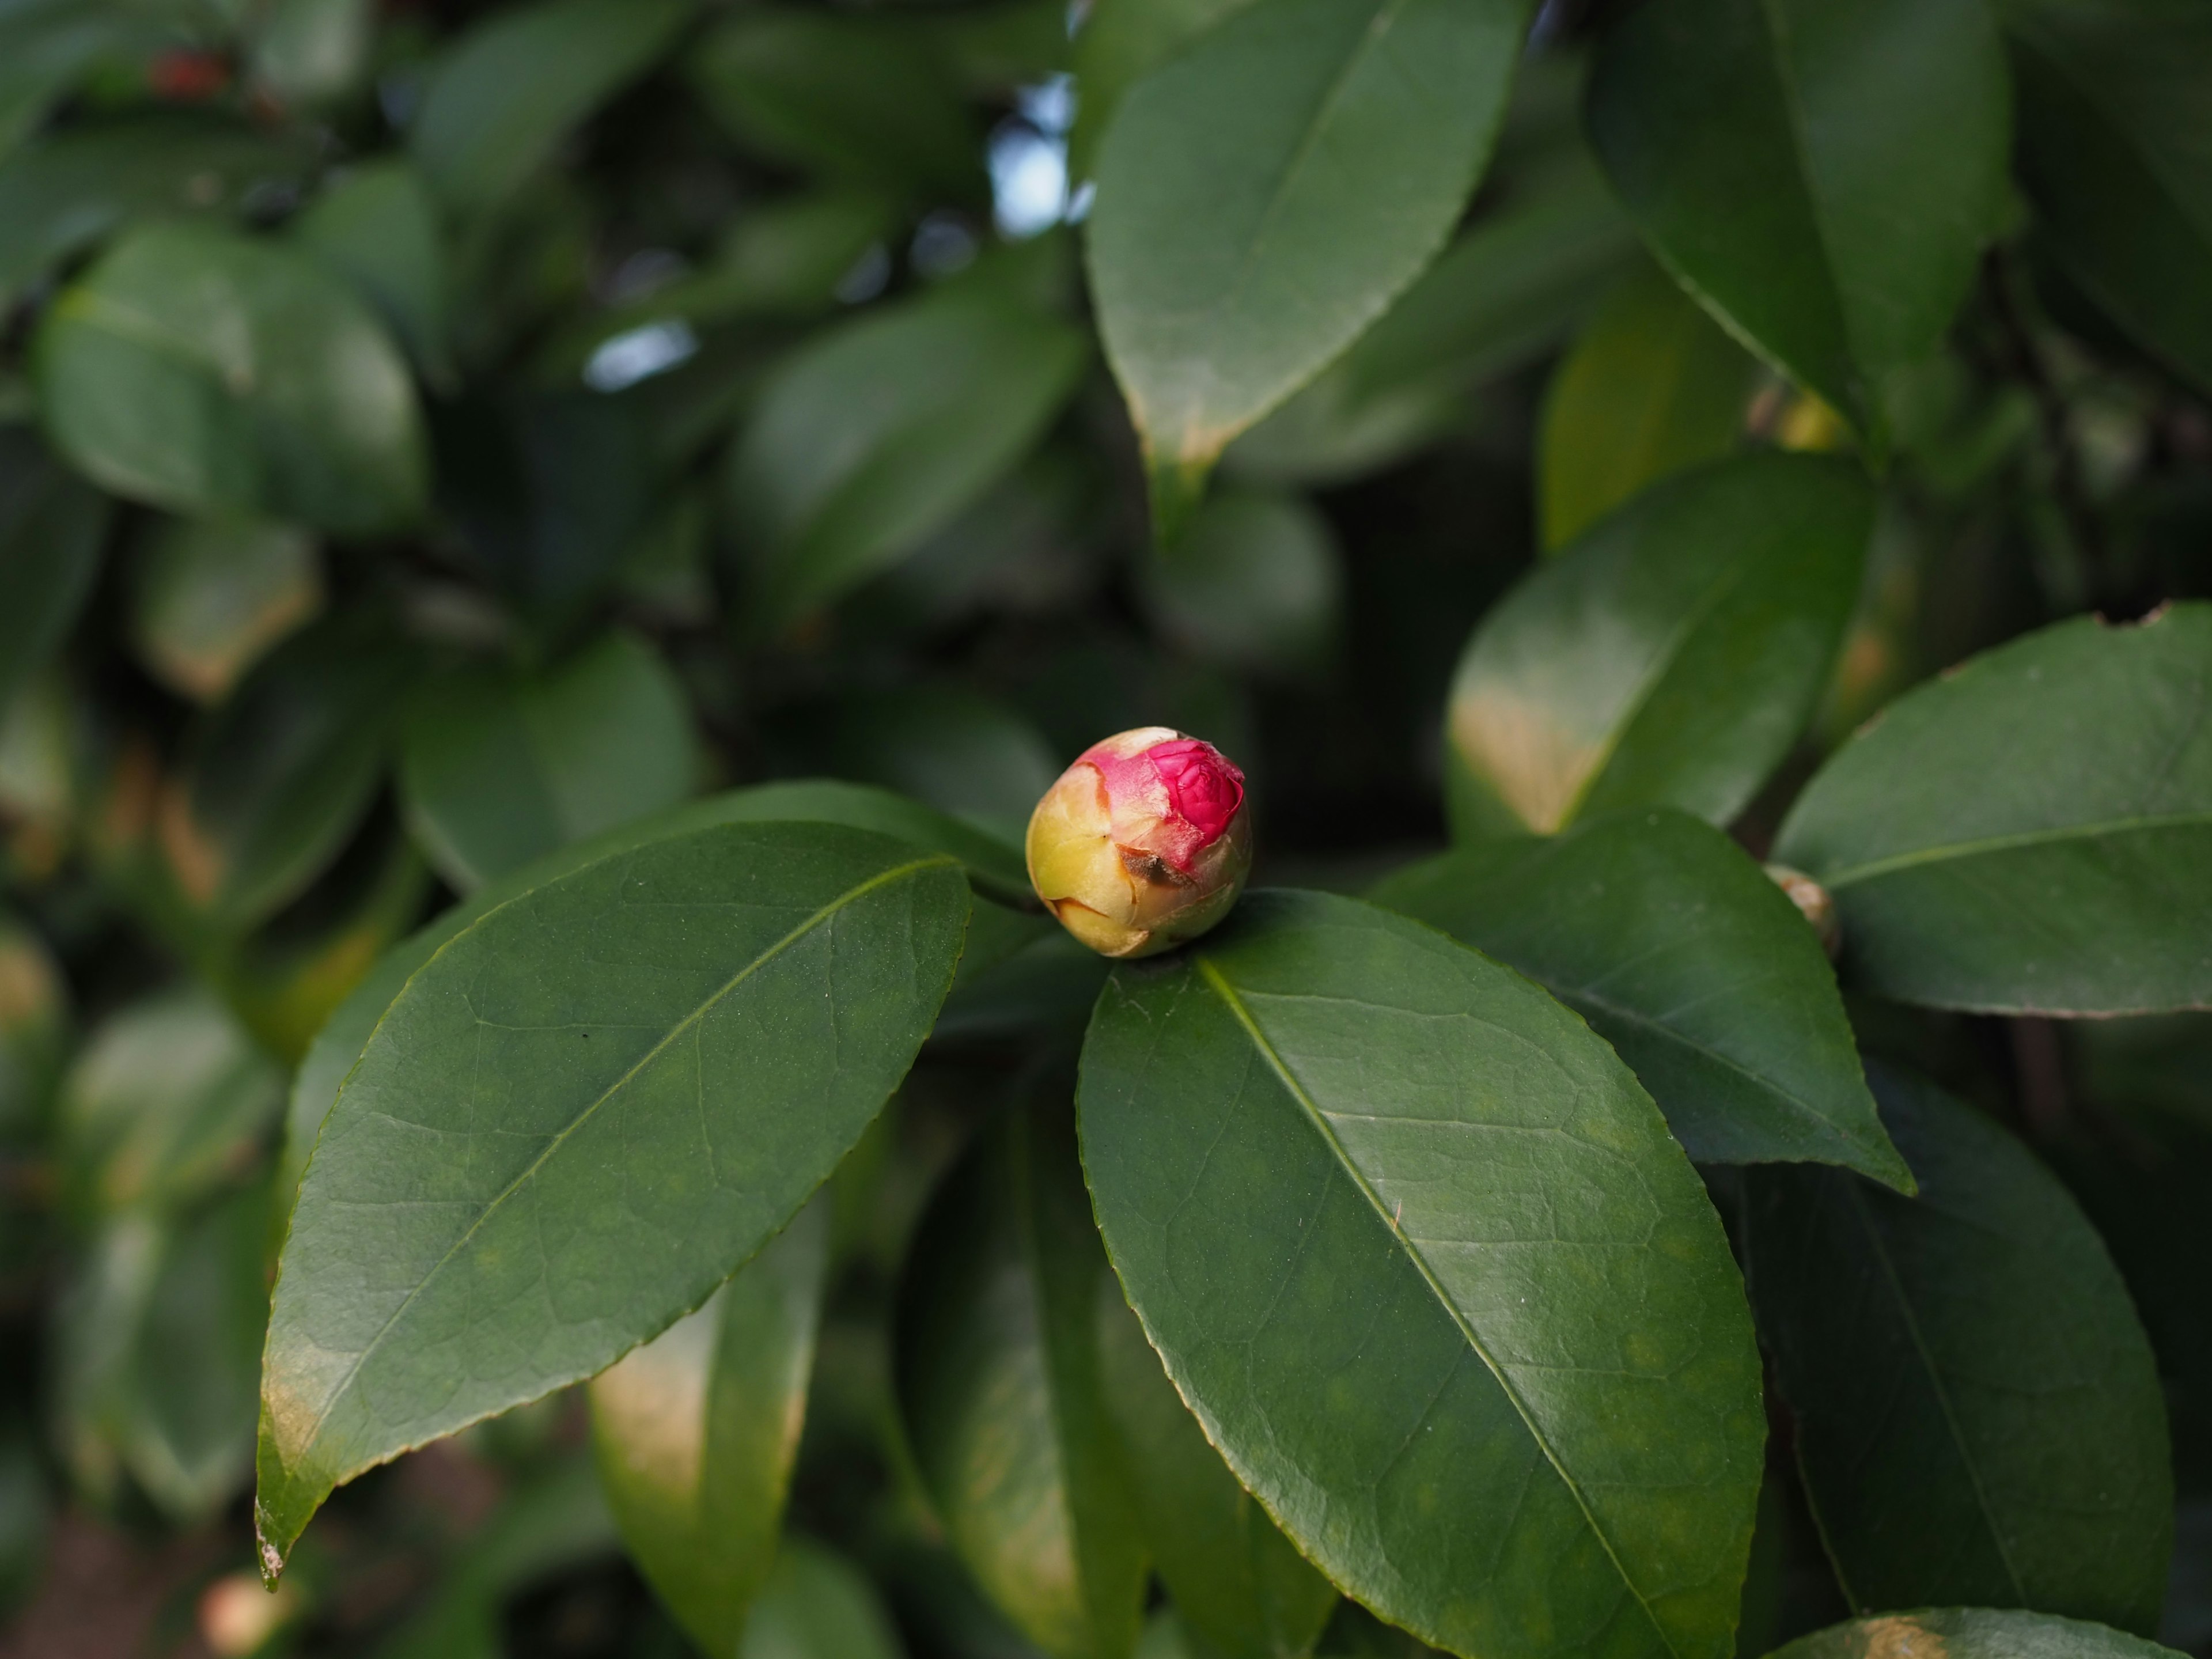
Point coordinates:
pixel 852 896
pixel 1221 988
pixel 1988 845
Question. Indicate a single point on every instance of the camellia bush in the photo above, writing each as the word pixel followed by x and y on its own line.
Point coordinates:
pixel 1221 829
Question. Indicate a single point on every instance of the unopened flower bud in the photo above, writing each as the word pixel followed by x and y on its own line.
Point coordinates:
pixel 1143 843
pixel 1813 904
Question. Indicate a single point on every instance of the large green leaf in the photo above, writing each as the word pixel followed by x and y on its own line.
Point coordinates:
pixel 1653 387
pixel 1265 196
pixel 501 766
pixel 1422 1257
pixel 284 769
pixel 503 97
pixel 2033 832
pixel 855 97
pixel 48 47
pixel 1682 954
pixel 817 1605
pixel 206 371
pixel 2113 154
pixel 210 596
pixel 51 531
pixel 1116 46
pixel 61 197
pixel 1235 1580
pixel 994 870
pixel 1507 292
pixel 377 227
pixel 578 1118
pixel 1970 1633
pixel 1978 1415
pixel 695 1433
pixel 999 1383
pixel 1821 174
pixel 1669 657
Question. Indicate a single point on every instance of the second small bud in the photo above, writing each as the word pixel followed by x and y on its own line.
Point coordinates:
pixel 1143 843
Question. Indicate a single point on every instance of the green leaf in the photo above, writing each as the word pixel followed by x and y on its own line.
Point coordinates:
pixel 158 1337
pixel 51 531
pixel 2033 832
pixel 1653 387
pixel 1682 954
pixel 1236 1582
pixel 1670 657
pixel 1254 581
pixel 168 1101
pixel 860 98
pixel 2112 154
pixel 499 765
pixel 695 1433
pixel 817 1605
pixel 1971 1633
pixel 49 48
pixel 1116 46
pixel 1978 1415
pixel 209 371
pixel 879 432
pixel 311 52
pixel 1506 292
pixel 500 100
pixel 998 1381
pixel 1422 1257
pixel 74 191
pixel 377 228
pixel 1821 176
pixel 1265 196
pixel 283 772
pixel 585 1111
pixel 210 596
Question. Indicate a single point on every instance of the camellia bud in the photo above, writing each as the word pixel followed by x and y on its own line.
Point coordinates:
pixel 1143 843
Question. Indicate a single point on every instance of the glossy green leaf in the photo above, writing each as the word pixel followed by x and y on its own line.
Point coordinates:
pixel 878 432
pixel 1978 1415
pixel 169 1099
pixel 1682 953
pixel 1508 291
pixel 1970 1633
pixel 211 595
pixel 817 1605
pixel 51 531
pixel 158 1339
pixel 1653 387
pixel 209 371
pixel 695 1433
pixel 1819 175
pixel 1422 1257
pixel 1669 657
pixel 377 227
pixel 1236 1582
pixel 501 766
pixel 1265 196
pixel 857 97
pixel 2033 832
pixel 283 771
pixel 1254 581
pixel 502 99
pixel 1001 1387
pixel 61 197
pixel 578 1118
pixel 993 869
pixel 2112 155
pixel 1116 46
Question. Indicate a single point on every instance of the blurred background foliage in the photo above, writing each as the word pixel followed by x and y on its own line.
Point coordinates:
pixel 433 432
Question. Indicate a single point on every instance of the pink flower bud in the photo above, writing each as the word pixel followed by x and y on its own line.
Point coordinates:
pixel 1143 843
